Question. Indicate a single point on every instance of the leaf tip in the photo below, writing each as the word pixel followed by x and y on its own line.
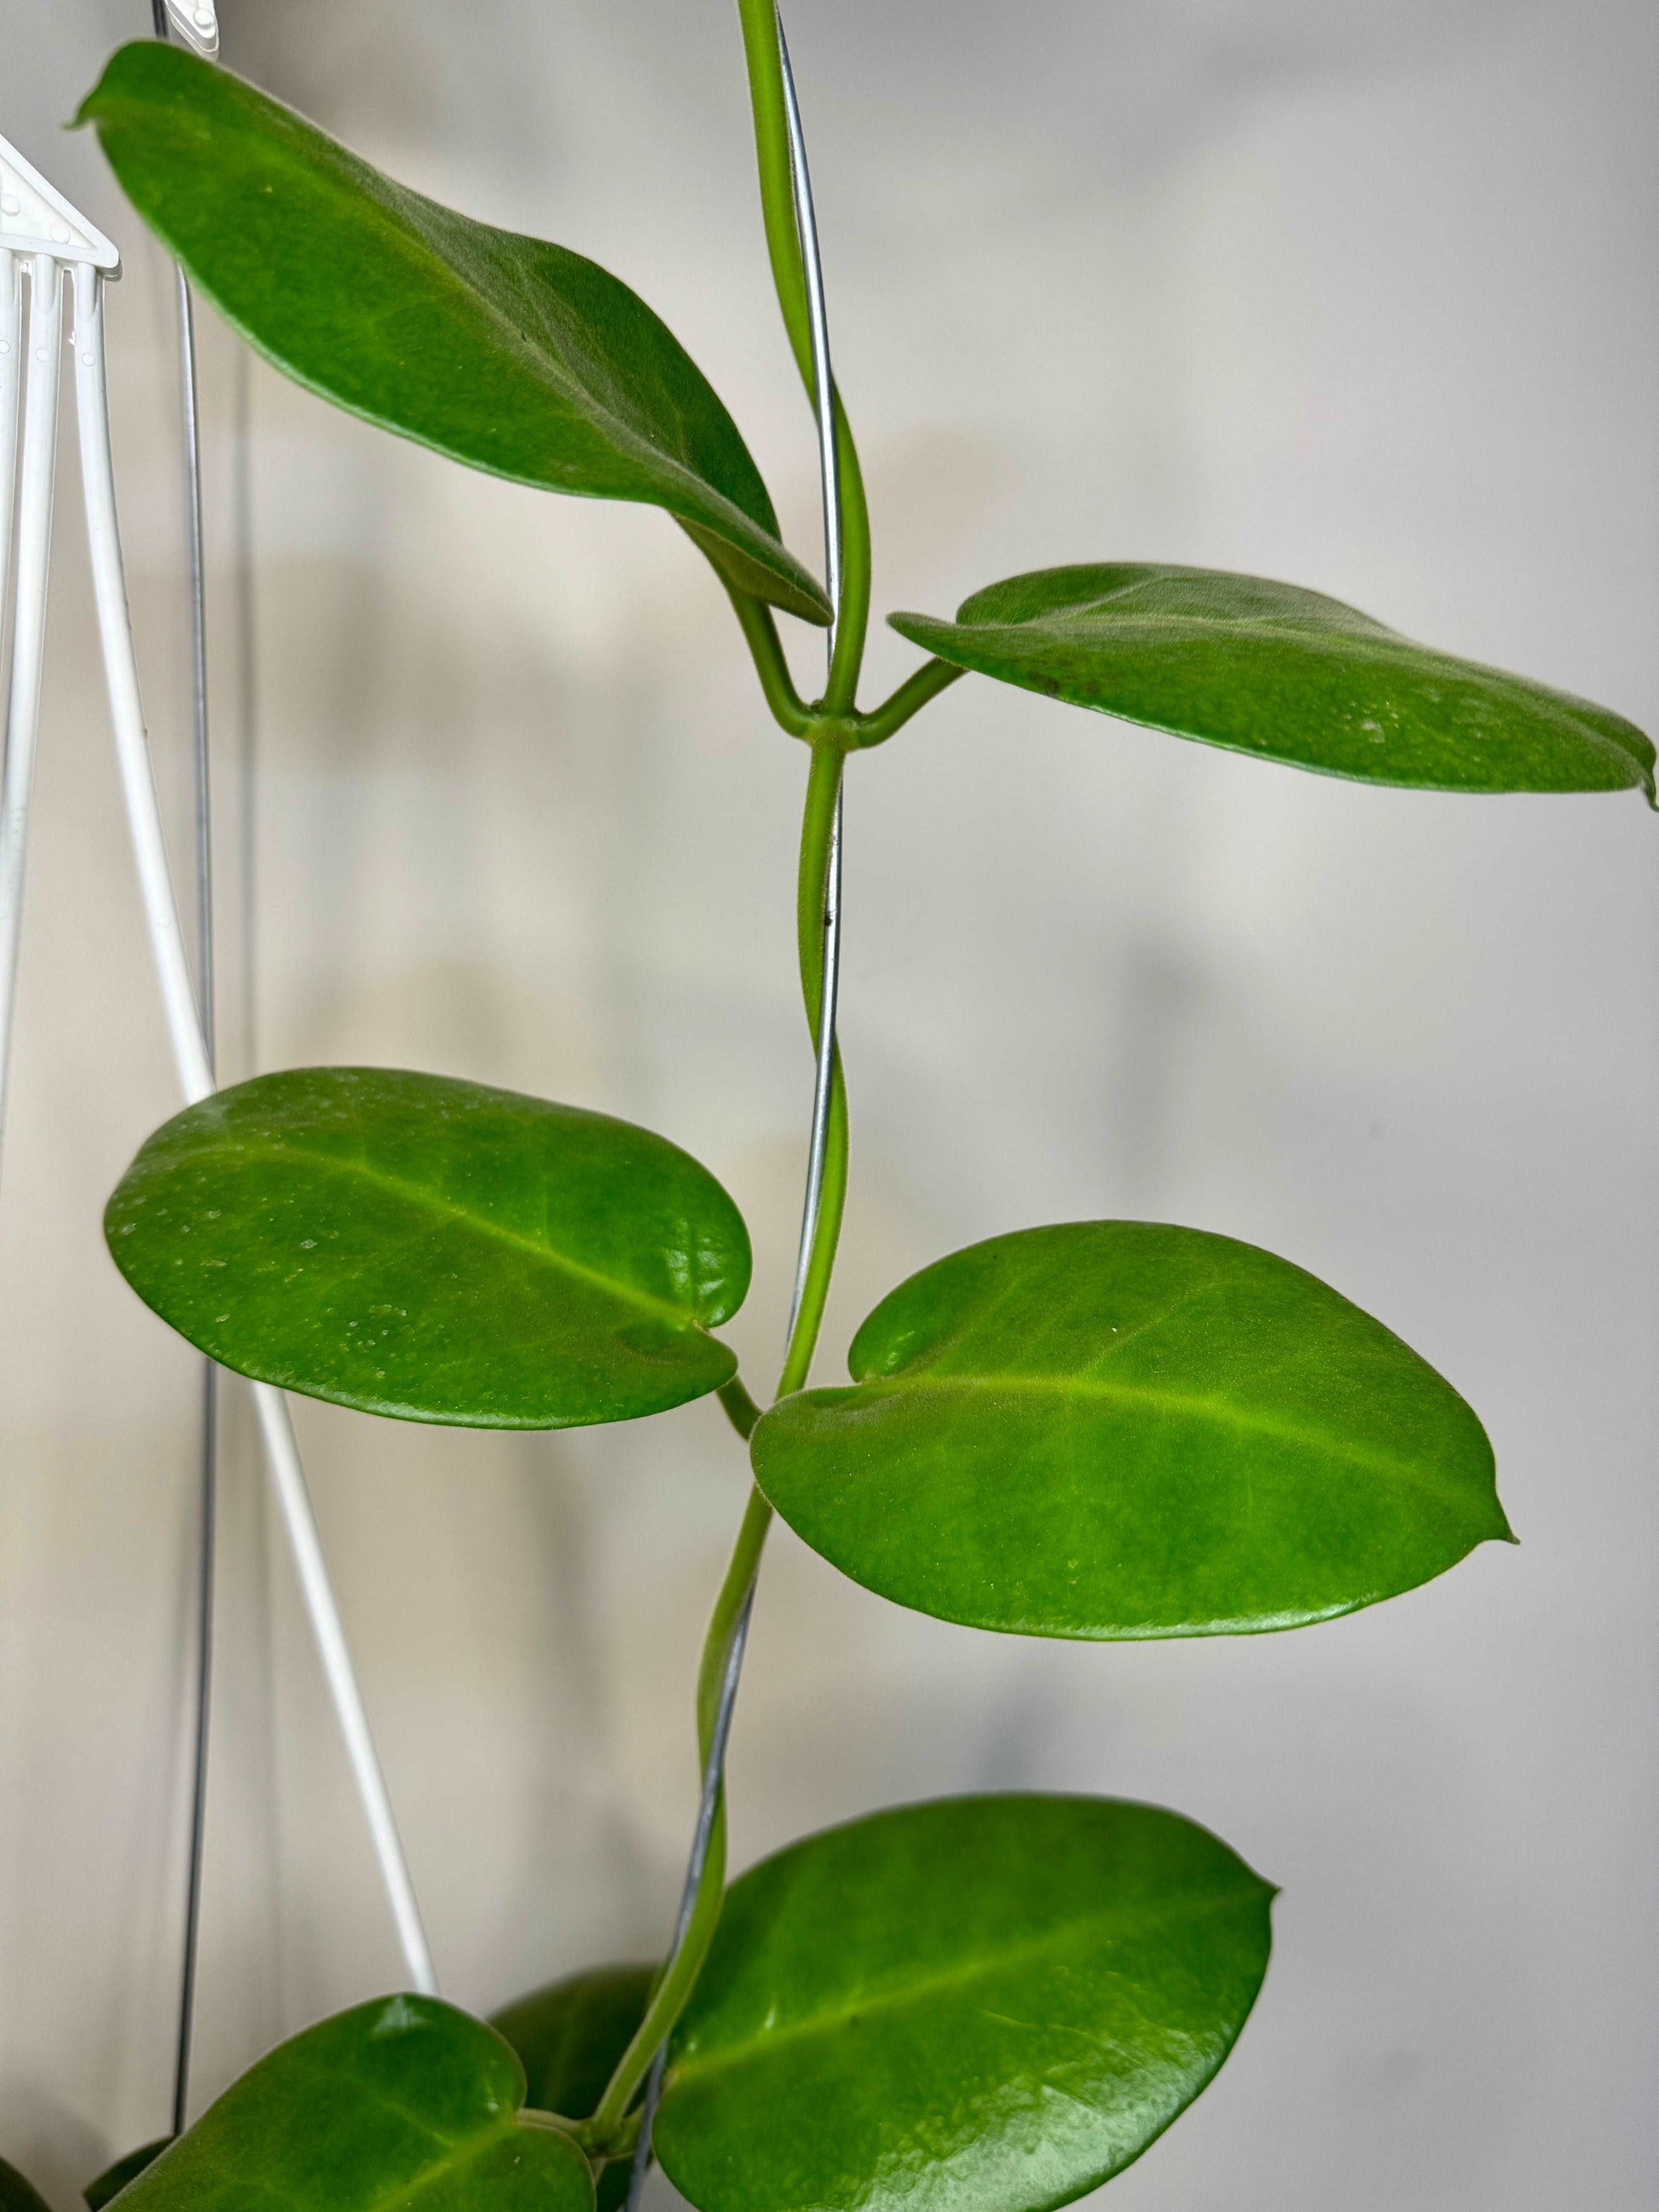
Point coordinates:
pixel 98 100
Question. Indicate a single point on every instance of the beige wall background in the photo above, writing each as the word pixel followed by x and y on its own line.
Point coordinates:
pixel 1360 293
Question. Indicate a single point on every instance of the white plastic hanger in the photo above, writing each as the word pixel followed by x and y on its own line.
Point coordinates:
pixel 43 241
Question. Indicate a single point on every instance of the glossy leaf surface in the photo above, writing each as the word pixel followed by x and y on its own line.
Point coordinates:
pixel 1266 668
pixel 17 2194
pixel 434 1250
pixel 569 2037
pixel 511 355
pixel 399 2102
pixel 114 2178
pixel 1114 1429
pixel 988 2003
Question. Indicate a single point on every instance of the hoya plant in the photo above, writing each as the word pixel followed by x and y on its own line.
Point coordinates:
pixel 1075 1429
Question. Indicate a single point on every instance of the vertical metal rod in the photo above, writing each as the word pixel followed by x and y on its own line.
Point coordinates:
pixel 823 382
pixel 823 397
pixel 208 1441
pixel 206 1537
pixel 247 711
pixel 208 1464
pixel 196 565
pixel 28 635
pixel 824 1078
pixel 196 1080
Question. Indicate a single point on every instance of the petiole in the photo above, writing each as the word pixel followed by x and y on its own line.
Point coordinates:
pixel 912 696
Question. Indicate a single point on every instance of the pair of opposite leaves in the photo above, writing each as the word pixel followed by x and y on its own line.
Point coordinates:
pixel 1097 1429
pixel 523 359
pixel 988 2002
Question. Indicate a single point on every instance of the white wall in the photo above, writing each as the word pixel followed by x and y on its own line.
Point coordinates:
pixel 1356 294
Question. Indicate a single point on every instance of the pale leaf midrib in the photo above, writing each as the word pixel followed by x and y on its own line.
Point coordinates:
pixel 445 1211
pixel 926 1986
pixel 1367 1456
pixel 457 2152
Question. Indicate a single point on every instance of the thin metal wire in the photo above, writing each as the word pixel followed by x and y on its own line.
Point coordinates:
pixel 823 1082
pixel 823 400
pixel 207 1532
pixel 208 1453
pixel 197 572
pixel 208 1472
pixel 713 1774
pixel 246 992
pixel 824 383
pixel 824 1078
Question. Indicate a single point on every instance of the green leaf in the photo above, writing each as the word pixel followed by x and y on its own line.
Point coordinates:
pixel 510 355
pixel 992 2003
pixel 399 2102
pixel 1114 1428
pixel 17 2195
pixel 435 1250
pixel 114 2178
pixel 1269 669
pixel 569 2037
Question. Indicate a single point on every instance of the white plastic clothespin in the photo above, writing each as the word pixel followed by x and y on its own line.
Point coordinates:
pixel 44 240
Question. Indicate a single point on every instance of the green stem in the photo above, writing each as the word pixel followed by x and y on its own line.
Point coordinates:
pixel 789 710
pixel 603 2133
pixel 602 2136
pixel 760 45
pixel 852 614
pixel 740 1571
pixel 740 1408
pixel 912 696
pixel 817 822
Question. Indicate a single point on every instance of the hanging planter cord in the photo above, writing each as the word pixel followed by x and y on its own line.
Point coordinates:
pixel 43 239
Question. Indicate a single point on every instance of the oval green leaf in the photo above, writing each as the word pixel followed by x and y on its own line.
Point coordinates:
pixel 18 2195
pixel 992 2003
pixel 569 2037
pixel 435 1250
pixel 1286 674
pixel 400 2102
pixel 114 2178
pixel 505 353
pixel 1112 1428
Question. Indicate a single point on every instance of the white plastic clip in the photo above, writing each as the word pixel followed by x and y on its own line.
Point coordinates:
pixel 195 23
pixel 35 218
